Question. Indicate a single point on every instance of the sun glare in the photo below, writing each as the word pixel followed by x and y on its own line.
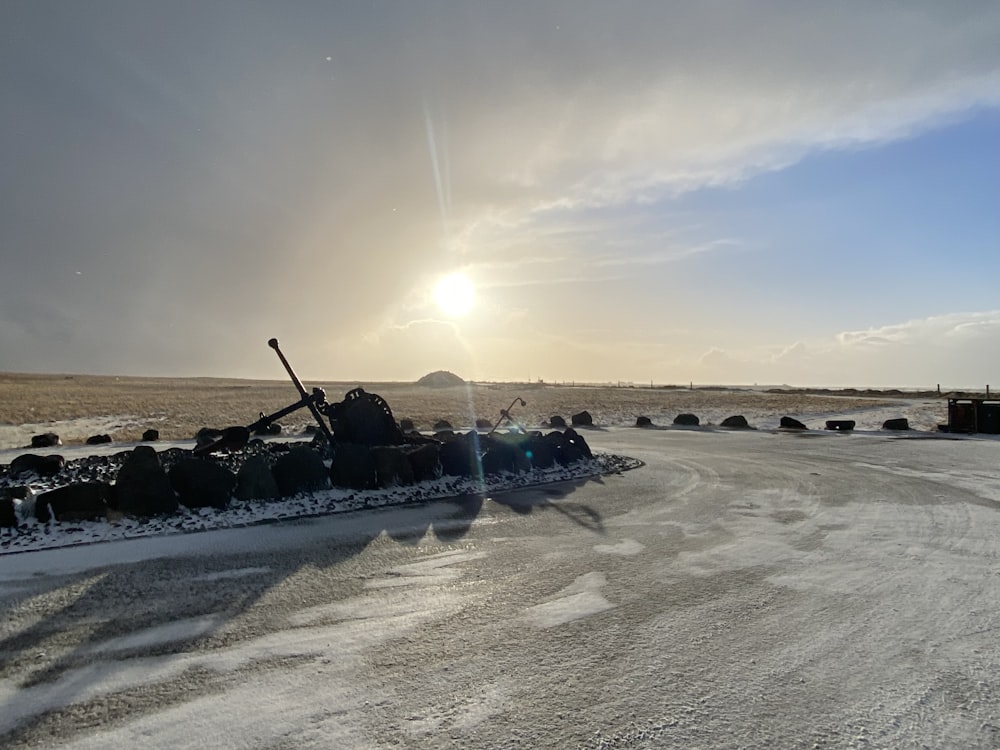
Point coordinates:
pixel 454 295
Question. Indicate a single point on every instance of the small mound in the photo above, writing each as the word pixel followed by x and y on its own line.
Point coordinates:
pixel 440 379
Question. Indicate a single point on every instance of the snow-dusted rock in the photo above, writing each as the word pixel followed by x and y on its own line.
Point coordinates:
pixel 300 470
pixel 84 501
pixel 202 483
pixel 142 488
pixel 255 481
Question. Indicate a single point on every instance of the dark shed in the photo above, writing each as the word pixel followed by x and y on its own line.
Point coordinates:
pixel 974 415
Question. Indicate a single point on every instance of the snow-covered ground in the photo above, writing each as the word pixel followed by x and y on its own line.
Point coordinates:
pixel 14 437
pixel 756 589
pixel 923 415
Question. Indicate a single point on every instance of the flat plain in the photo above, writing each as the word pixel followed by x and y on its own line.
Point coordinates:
pixel 76 406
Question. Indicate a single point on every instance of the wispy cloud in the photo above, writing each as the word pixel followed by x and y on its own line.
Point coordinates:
pixel 958 349
pixel 323 163
pixel 669 254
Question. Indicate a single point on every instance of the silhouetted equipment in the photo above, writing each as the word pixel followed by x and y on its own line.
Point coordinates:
pixel 312 402
pixel 973 415
pixel 361 417
pixel 505 414
pixel 369 449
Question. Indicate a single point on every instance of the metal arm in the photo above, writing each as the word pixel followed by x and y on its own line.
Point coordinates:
pixel 505 414
pixel 273 343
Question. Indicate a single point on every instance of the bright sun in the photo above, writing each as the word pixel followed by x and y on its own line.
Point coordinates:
pixel 454 295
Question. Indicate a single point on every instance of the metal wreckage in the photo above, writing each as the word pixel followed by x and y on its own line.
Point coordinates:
pixel 367 448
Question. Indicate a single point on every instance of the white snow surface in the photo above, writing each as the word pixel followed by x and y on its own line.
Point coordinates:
pixel 69 430
pixel 754 589
pixel 923 415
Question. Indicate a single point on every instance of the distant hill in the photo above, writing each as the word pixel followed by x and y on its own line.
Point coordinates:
pixel 440 379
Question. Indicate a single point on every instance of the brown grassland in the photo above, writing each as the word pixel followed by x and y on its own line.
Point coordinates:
pixel 178 407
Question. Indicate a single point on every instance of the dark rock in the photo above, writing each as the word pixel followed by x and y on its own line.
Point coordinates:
pixel 557 422
pixel 498 456
pixel 517 444
pixel 575 447
pixel 87 501
pixel 406 426
pixel 459 456
pixel 790 423
pixel 900 423
pixel 18 492
pixel 45 440
pixel 687 420
pixel 143 488
pixel 206 437
pixel 31 463
pixel 643 422
pixel 310 429
pixel 539 451
pixel 98 439
pixel 300 470
pixel 271 428
pixel 443 425
pixel 8 515
pixel 353 466
pixel 568 446
pixel 392 465
pixel 254 480
pixel 737 422
pixel 583 419
pixel 484 424
pixel 555 441
pixel 202 483
pixel 230 439
pixel 840 425
pixel 425 459
pixel 151 435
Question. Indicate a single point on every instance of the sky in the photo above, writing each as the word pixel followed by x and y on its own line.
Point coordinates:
pixel 651 192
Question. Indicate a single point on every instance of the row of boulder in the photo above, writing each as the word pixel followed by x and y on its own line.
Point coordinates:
pixel 143 483
pixel 207 434
pixel 738 421
pixel 555 422
pixel 52 440
pixel 581 419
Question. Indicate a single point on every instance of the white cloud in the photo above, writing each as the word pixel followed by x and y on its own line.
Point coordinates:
pixel 956 350
pixel 307 171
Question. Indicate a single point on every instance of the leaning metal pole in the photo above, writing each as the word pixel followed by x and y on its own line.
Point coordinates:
pixel 505 414
pixel 273 343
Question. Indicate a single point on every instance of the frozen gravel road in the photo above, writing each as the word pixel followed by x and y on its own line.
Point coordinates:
pixel 753 590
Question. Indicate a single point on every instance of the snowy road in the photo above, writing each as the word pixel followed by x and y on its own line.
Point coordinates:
pixel 753 590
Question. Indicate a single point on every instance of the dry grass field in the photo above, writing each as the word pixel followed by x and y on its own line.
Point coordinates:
pixel 178 407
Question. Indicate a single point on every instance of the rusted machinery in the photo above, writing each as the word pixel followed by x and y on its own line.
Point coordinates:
pixel 362 418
